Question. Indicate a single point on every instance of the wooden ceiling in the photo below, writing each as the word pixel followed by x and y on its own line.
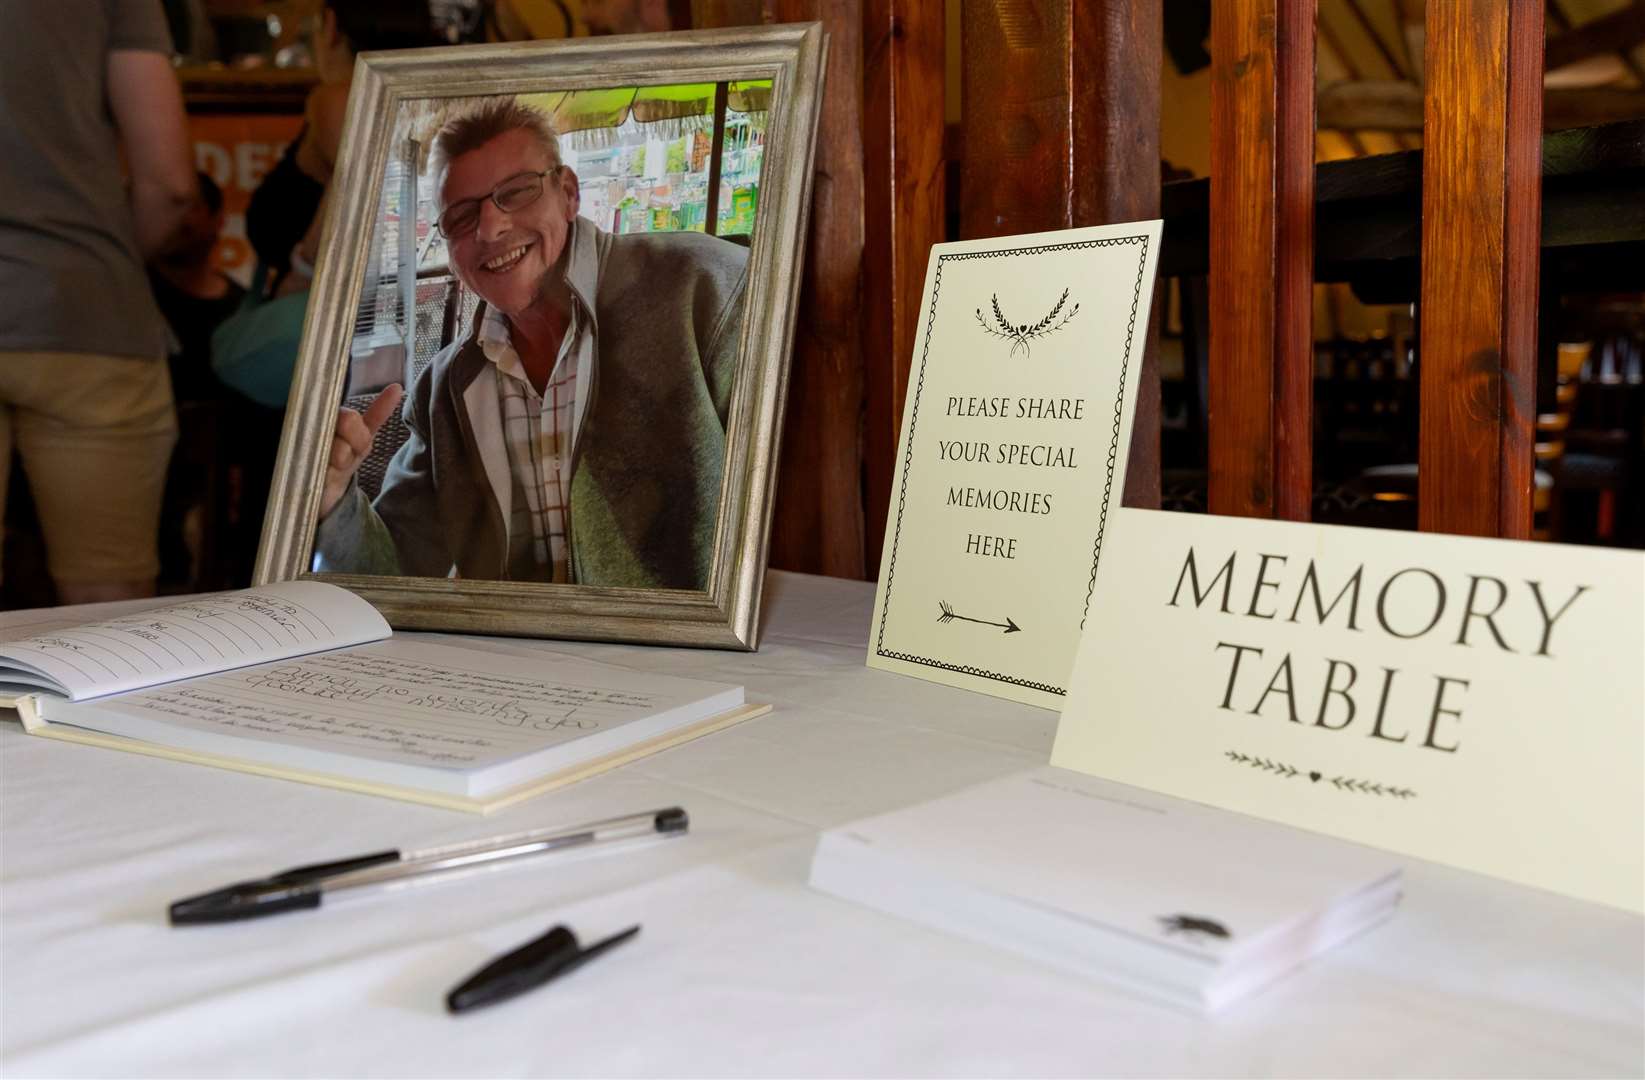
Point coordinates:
pixel 1369 61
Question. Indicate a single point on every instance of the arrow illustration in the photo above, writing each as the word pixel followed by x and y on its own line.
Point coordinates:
pixel 948 615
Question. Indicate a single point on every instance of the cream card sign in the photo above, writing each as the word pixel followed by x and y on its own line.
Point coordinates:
pixel 1014 438
pixel 1475 702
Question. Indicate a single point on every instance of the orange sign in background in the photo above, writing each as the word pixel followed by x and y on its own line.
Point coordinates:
pixel 237 152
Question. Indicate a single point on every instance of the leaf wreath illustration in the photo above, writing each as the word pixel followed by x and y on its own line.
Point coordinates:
pixel 1020 334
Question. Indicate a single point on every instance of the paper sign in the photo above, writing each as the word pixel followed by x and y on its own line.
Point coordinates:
pixel 1476 702
pixel 237 151
pixel 1015 433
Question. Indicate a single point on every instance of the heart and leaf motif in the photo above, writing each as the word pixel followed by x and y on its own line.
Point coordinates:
pixel 1020 334
pixel 1282 770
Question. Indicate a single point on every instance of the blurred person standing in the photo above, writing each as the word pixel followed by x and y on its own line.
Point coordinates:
pixel 194 296
pixel 85 394
pixel 283 218
pixel 208 538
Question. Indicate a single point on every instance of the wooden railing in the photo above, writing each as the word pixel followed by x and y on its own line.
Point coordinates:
pixel 1481 220
pixel 1480 246
pixel 1060 128
pixel 1260 424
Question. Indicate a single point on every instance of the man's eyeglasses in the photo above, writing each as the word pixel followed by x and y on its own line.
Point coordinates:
pixel 516 193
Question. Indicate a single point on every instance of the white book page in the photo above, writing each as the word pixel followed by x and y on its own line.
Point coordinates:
pixel 32 622
pixel 195 636
pixel 402 703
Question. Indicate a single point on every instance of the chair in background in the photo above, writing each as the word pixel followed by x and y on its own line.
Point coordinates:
pixel 1598 474
pixel 1551 430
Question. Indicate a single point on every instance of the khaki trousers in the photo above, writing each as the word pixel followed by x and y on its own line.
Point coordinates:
pixel 95 435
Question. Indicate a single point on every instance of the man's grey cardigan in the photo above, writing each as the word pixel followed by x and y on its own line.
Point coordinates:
pixel 650 454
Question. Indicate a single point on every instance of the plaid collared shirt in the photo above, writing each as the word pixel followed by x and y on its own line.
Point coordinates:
pixel 540 435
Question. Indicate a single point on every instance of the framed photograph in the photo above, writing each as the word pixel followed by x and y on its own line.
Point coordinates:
pixel 542 376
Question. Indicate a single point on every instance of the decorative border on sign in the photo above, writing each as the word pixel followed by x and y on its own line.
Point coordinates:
pixel 1114 443
pixel 1282 770
pixel 908 450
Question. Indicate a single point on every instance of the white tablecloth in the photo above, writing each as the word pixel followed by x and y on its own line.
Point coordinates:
pixel 740 969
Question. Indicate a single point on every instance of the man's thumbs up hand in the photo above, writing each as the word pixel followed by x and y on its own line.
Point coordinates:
pixel 352 442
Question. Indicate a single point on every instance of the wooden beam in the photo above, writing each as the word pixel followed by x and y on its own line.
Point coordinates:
pixel 1562 21
pixel 1409 13
pixel 1387 54
pixel 903 204
pixel 1061 117
pixel 1481 215
pixel 1370 105
pixel 1562 109
pixel 1368 215
pixel 1617 32
pixel 1405 140
pixel 1377 105
pixel 1261 280
pixel 1333 44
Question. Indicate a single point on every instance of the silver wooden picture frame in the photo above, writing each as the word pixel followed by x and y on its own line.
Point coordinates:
pixel 722 608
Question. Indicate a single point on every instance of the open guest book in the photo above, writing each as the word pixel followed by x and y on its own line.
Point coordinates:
pixel 302 680
pixel 1182 903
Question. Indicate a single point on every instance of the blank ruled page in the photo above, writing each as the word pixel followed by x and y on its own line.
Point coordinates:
pixel 199 636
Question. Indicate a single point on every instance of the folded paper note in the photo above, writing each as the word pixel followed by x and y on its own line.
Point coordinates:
pixel 1014 441
pixel 1474 702
pixel 1161 897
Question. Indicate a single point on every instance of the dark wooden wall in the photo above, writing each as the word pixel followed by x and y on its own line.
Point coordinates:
pixel 904 57
pixel 1060 117
pixel 1060 107
pixel 818 523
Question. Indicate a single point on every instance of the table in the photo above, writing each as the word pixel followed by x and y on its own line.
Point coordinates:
pixel 741 970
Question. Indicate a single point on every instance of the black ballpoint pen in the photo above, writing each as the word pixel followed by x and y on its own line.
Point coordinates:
pixel 528 967
pixel 304 886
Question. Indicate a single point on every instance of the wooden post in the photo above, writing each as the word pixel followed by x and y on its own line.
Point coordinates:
pixel 903 206
pixel 818 522
pixel 716 160
pixel 1481 225
pixel 1262 250
pixel 1118 53
pixel 1061 119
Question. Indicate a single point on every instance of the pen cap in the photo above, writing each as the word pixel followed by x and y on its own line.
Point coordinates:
pixel 525 968
pixel 672 820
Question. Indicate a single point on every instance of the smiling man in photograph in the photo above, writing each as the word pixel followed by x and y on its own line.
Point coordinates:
pixel 577 434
